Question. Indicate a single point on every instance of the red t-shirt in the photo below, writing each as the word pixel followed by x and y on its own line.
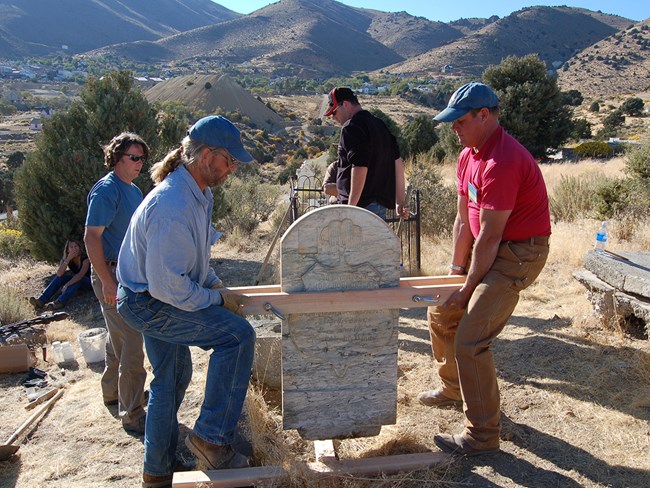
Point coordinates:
pixel 506 177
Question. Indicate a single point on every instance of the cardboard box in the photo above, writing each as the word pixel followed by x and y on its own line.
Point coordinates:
pixel 16 359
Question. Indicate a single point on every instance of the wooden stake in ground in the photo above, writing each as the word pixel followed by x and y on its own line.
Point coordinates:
pixel 275 238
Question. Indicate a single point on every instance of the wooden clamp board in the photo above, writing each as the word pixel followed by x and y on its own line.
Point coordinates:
pixel 438 288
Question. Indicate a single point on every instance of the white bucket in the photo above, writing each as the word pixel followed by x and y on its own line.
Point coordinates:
pixel 93 344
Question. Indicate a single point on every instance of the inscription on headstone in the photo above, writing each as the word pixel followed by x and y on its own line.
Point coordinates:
pixel 339 370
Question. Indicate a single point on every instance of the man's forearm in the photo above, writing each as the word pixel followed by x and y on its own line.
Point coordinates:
pixel 400 183
pixel 357 182
pixel 463 241
pixel 485 252
pixel 97 259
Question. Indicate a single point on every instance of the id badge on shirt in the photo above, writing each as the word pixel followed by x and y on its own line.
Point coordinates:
pixel 472 193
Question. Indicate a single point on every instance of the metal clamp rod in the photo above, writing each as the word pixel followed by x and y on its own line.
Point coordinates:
pixel 270 308
pixel 418 298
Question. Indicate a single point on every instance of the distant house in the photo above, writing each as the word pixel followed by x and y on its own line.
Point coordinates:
pixel 564 154
pixel 35 124
pixel 45 112
pixel 143 82
pixel 447 68
pixel 368 90
pixel 12 97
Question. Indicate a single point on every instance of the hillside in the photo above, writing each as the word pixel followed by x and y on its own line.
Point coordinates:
pixel 323 36
pixel 619 64
pixel 223 93
pixel 555 33
pixel 39 27
pixel 408 35
pixel 329 38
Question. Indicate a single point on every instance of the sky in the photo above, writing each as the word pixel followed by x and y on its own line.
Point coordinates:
pixel 446 11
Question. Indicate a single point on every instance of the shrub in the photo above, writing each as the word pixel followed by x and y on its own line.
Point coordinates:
pixel 594 149
pixel 419 135
pixel 594 107
pixel 248 203
pixel 575 197
pixel 581 129
pixel 448 143
pixel 13 244
pixel 612 123
pixel 632 106
pixel 437 201
pixel 623 199
pixel 637 162
pixel 12 307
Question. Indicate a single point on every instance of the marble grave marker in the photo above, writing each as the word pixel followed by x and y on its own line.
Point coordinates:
pixel 339 370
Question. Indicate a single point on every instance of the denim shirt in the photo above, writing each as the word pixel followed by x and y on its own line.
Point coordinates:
pixel 166 249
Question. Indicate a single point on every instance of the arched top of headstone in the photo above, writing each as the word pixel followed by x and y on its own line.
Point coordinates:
pixel 339 247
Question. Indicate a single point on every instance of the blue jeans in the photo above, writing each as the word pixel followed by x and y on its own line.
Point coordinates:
pixel 377 208
pixel 58 282
pixel 168 331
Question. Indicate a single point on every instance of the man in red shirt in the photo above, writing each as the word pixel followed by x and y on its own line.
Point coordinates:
pixel 503 221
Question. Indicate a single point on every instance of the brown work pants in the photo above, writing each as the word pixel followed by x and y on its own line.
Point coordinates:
pixel 462 340
pixel 124 375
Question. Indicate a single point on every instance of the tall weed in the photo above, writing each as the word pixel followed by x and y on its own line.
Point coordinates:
pixel 12 307
pixel 576 197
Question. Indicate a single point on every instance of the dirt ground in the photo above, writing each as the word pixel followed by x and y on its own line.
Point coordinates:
pixel 575 397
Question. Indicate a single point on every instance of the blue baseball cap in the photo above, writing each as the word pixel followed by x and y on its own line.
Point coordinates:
pixel 218 131
pixel 472 96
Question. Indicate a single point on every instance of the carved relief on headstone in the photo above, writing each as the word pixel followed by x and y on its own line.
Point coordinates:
pixel 339 369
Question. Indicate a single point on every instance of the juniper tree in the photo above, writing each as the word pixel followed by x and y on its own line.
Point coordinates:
pixel 419 135
pixel 52 185
pixel 531 104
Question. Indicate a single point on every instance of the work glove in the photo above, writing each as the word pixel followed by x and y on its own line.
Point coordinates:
pixel 234 303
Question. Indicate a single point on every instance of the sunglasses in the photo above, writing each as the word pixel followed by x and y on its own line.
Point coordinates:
pixel 230 161
pixel 136 158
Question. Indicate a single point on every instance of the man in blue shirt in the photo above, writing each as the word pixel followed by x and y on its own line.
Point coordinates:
pixel 169 292
pixel 111 202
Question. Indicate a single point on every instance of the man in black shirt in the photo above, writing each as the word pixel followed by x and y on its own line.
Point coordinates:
pixel 370 171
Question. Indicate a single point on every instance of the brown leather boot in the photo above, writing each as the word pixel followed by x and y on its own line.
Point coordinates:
pixel 214 456
pixel 436 398
pixel 153 481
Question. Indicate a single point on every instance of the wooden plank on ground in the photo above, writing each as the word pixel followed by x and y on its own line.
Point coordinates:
pixel 328 467
pixel 227 478
pixel 324 449
pixel 378 465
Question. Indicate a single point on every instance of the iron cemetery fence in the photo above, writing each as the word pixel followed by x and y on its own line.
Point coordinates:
pixel 306 194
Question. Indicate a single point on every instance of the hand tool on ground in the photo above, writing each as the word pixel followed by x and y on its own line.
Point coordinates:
pixel 8 449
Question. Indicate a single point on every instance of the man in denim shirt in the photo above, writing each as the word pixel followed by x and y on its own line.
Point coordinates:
pixel 169 292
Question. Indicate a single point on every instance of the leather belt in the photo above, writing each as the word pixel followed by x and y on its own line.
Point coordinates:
pixel 535 240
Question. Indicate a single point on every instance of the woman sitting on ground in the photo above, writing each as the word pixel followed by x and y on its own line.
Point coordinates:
pixel 76 260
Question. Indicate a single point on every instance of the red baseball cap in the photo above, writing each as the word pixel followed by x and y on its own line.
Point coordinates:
pixel 337 96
